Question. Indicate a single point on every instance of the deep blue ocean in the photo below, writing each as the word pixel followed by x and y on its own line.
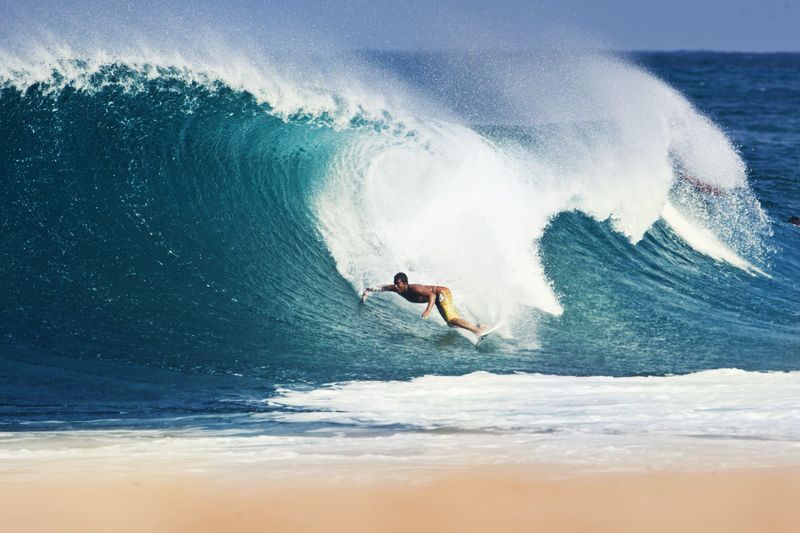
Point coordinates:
pixel 181 242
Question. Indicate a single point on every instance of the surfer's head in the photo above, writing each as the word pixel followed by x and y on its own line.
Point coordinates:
pixel 401 282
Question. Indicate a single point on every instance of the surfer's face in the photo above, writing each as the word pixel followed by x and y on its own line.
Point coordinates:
pixel 400 285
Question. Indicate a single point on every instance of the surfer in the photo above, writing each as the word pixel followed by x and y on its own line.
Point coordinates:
pixel 429 294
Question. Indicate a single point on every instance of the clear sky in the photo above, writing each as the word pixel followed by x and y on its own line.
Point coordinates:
pixel 748 25
pixel 742 25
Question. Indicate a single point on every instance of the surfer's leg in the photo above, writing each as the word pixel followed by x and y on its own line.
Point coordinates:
pixel 461 323
pixel 444 303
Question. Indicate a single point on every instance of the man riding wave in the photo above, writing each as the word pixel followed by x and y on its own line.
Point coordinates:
pixel 432 295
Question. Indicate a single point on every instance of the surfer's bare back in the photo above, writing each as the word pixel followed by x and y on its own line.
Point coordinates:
pixel 436 295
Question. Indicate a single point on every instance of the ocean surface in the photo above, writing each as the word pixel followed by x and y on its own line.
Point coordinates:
pixel 184 243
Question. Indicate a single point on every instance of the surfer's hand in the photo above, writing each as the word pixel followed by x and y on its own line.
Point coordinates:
pixel 365 295
pixel 425 313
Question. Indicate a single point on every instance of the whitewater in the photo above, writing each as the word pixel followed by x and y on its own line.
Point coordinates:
pixel 185 240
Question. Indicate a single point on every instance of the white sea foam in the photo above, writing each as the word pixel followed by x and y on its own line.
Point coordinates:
pixel 725 404
pixel 450 211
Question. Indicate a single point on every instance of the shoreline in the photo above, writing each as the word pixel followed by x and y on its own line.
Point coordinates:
pixel 366 457
pixel 471 499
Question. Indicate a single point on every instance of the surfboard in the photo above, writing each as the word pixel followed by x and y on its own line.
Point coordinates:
pixel 486 334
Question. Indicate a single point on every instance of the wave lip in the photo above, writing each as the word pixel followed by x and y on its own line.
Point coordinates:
pixel 704 241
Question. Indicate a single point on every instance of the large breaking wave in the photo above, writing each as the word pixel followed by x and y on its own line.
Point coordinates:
pixel 193 215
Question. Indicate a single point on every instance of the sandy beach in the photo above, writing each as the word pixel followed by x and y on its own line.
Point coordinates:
pixel 472 500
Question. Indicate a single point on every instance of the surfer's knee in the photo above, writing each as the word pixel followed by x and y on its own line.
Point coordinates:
pixel 455 323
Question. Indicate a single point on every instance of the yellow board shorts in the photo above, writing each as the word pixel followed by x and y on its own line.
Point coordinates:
pixel 444 303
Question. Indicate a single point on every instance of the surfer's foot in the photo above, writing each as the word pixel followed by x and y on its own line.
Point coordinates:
pixel 481 337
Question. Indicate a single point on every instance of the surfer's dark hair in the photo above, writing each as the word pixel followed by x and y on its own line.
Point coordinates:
pixel 402 277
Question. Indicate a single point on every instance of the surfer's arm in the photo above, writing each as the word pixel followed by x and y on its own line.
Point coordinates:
pixel 431 301
pixel 368 290
pixel 431 296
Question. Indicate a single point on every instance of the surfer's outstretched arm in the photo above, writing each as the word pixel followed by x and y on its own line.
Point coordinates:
pixel 368 290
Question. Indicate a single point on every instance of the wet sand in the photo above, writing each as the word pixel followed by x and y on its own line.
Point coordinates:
pixel 474 500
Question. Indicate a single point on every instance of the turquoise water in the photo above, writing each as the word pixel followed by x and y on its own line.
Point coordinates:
pixel 181 244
